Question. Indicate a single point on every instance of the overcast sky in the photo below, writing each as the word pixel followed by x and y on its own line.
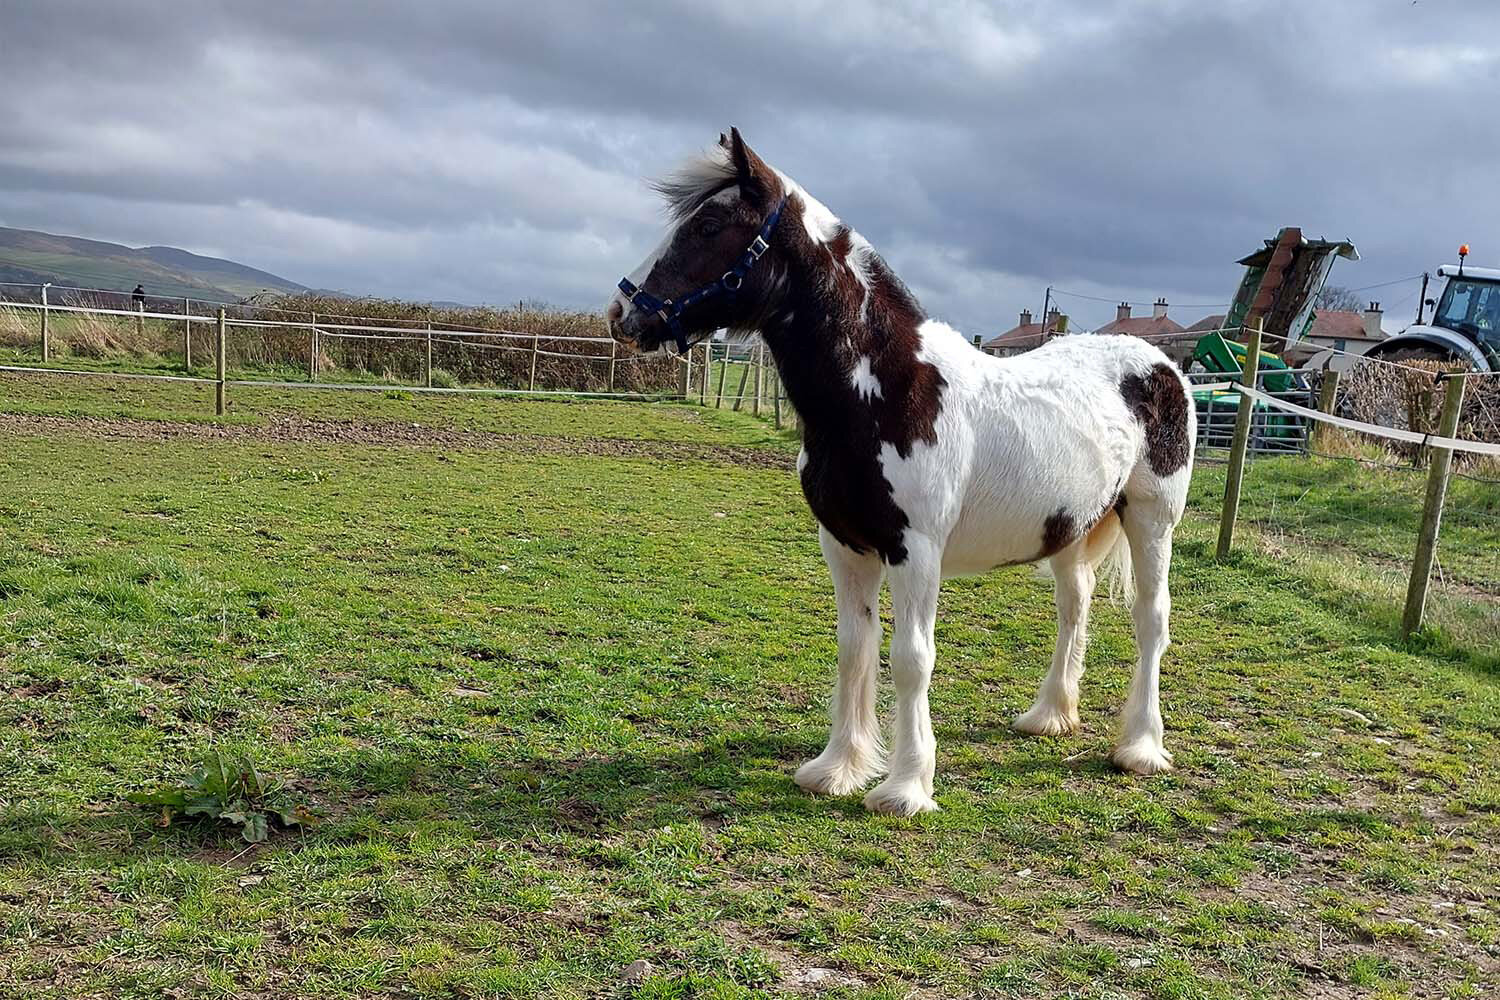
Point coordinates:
pixel 491 151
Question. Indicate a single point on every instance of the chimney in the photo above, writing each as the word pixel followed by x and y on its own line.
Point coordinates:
pixel 1122 311
pixel 1025 317
pixel 1372 322
pixel 1159 308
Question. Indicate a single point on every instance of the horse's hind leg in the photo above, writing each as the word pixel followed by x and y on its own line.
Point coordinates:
pixel 1056 707
pixel 1149 522
pixel 854 754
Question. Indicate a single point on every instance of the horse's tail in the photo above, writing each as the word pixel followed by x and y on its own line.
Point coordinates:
pixel 1108 551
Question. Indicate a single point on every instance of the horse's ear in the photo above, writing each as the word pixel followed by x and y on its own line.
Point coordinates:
pixel 753 174
pixel 723 141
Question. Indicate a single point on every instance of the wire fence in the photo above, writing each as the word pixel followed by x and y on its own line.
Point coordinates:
pixel 92 332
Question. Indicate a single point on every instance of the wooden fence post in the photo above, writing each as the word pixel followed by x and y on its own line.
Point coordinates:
pixel 610 385
pixel 46 329
pixel 1432 508
pixel 312 357
pixel 219 369
pixel 1327 399
pixel 776 399
pixel 535 343
pixel 187 335
pixel 686 375
pixel 1240 444
pixel 760 374
pixel 723 371
pixel 140 321
pixel 427 368
pixel 708 366
pixel 739 394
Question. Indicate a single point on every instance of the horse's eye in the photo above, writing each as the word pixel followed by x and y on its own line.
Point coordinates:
pixel 709 228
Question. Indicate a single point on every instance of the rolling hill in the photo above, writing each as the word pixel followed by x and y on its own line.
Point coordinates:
pixel 30 256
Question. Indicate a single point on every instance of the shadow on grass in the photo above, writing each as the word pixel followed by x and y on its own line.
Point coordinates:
pixel 728 779
pixel 358 797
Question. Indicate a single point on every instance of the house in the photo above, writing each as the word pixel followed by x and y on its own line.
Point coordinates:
pixel 1334 335
pixel 1159 328
pixel 1026 334
pixel 1207 324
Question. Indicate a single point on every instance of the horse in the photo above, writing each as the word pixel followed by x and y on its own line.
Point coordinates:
pixel 924 458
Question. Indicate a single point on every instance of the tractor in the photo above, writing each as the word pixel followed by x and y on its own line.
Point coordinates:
pixel 1465 323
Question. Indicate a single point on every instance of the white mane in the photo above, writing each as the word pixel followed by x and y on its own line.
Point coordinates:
pixel 699 179
pixel 712 173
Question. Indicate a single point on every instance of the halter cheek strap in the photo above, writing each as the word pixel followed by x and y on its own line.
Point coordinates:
pixel 727 284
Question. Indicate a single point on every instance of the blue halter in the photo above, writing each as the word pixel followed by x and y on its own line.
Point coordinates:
pixel 727 284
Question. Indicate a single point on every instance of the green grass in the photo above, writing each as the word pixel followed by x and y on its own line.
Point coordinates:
pixel 548 707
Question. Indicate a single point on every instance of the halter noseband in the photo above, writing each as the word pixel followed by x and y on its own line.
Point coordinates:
pixel 727 284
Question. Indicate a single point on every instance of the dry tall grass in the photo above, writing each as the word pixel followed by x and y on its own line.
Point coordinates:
pixel 19 327
pixel 503 357
pixel 500 356
pixel 1411 397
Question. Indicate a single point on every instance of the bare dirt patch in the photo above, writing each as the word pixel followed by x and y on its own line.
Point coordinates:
pixel 390 433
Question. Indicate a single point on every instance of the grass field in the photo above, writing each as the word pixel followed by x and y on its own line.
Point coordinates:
pixel 544 669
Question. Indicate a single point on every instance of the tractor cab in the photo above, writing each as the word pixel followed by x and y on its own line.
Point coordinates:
pixel 1465 324
pixel 1470 304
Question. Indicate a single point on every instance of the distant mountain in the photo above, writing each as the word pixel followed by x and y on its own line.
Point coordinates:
pixel 26 255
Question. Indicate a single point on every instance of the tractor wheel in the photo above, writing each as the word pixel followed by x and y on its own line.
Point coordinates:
pixel 1418 354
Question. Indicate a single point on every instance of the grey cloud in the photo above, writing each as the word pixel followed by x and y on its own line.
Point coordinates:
pixel 493 152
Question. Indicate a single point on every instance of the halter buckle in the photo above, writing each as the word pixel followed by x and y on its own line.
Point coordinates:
pixel 757 247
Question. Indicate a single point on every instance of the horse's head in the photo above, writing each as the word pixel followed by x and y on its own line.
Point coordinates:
pixel 716 262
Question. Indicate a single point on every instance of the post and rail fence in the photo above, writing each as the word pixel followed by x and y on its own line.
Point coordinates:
pixel 1236 411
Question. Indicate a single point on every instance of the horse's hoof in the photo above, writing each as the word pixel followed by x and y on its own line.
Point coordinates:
pixel 1044 720
pixel 825 775
pixel 899 799
pixel 1142 757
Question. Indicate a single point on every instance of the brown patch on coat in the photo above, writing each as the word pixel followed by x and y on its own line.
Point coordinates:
pixel 834 326
pixel 1058 532
pixel 1061 529
pixel 819 327
pixel 1160 403
pixel 820 318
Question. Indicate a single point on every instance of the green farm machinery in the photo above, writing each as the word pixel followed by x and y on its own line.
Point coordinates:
pixel 1222 359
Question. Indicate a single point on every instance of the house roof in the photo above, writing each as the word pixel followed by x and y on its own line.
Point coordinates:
pixel 1023 335
pixel 1141 326
pixel 1331 324
pixel 1339 324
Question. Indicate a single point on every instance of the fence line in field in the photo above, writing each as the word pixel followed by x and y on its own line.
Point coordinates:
pixel 739 374
pixel 1441 447
pixel 1375 430
pixel 692 369
pixel 343 329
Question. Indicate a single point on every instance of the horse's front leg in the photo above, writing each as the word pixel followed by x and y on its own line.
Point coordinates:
pixel 914 592
pixel 854 754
